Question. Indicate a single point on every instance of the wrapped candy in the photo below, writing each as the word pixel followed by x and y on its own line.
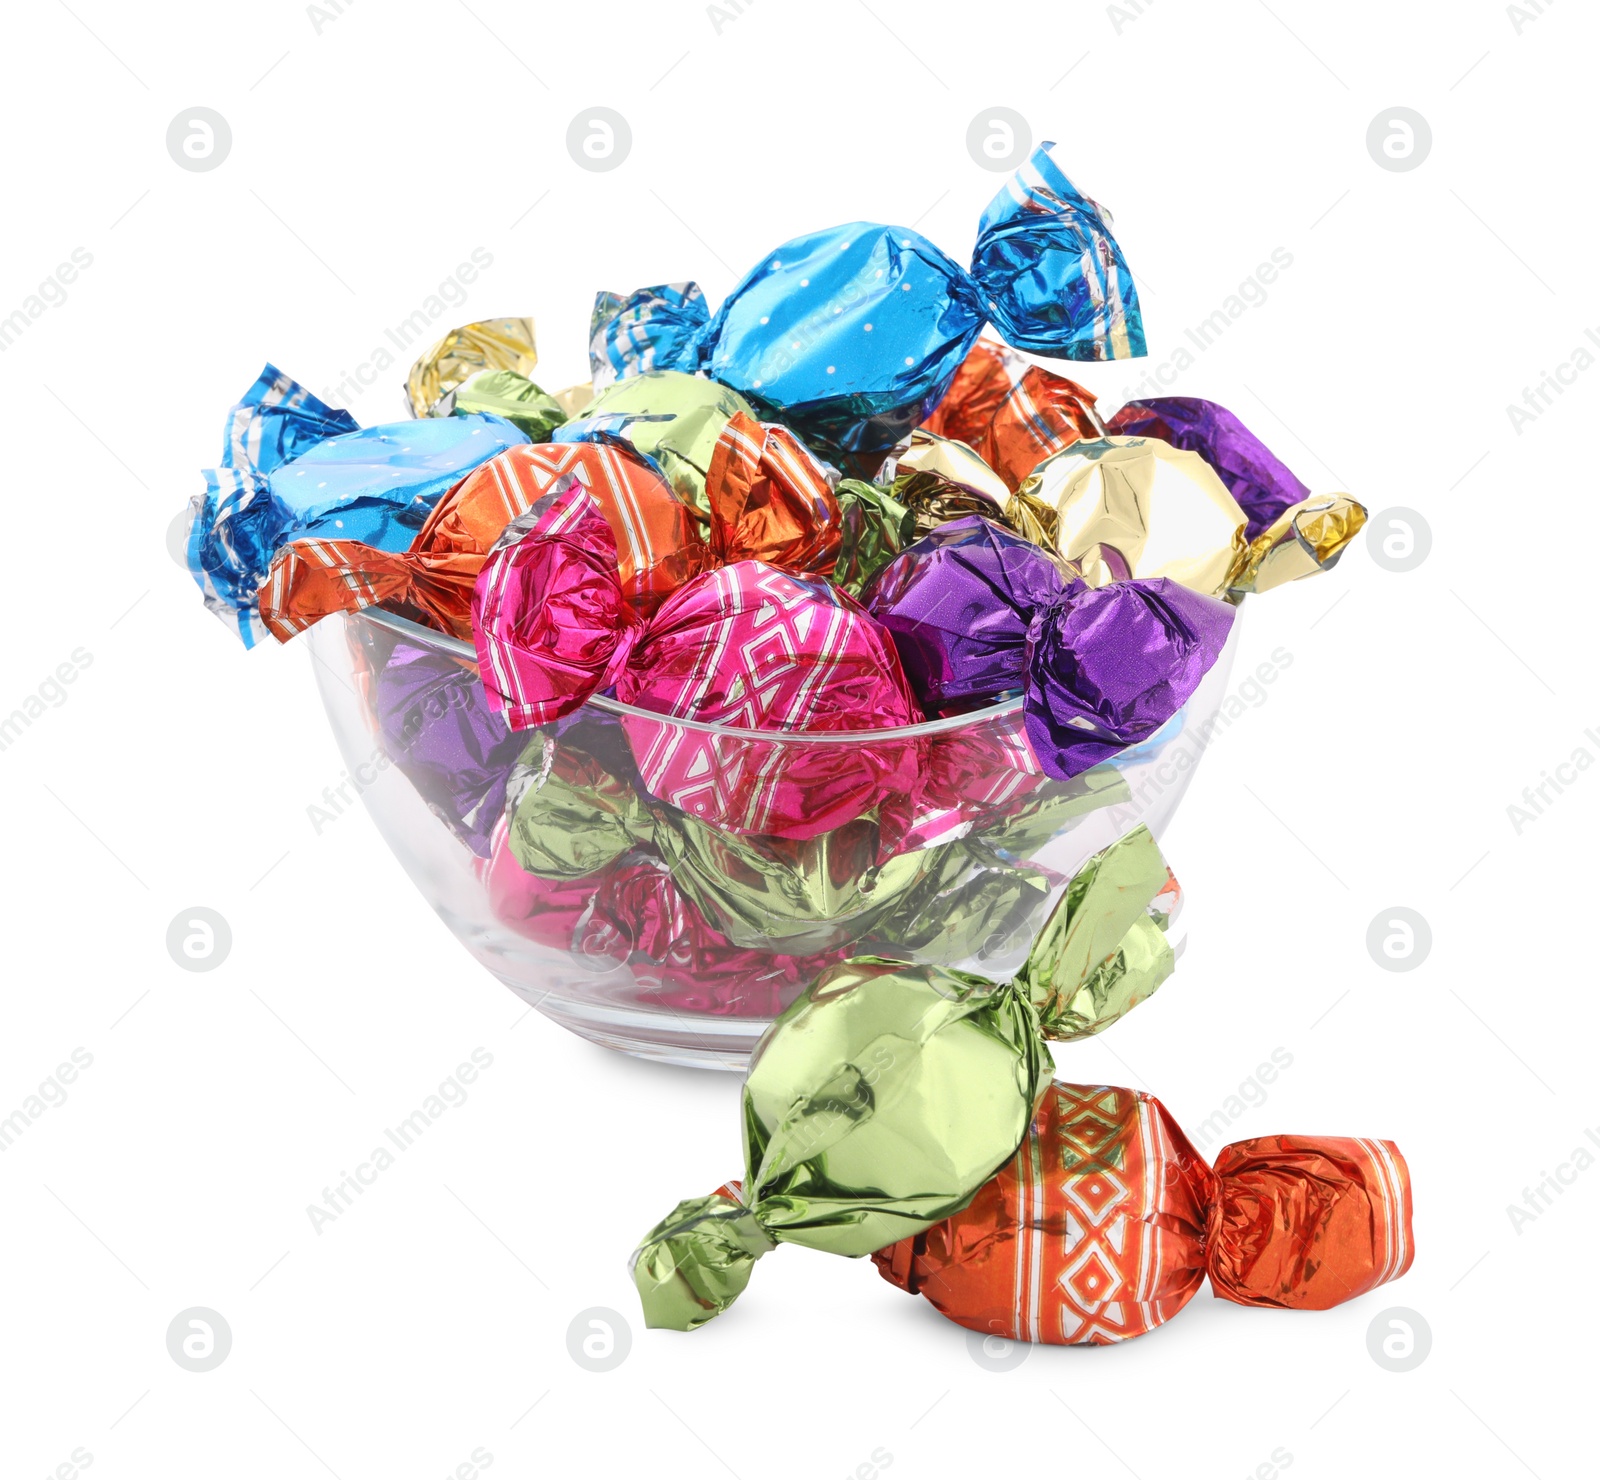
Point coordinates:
pixel 1107 1221
pixel 639 332
pixel 490 344
pixel 1121 507
pixel 852 335
pixel 940 480
pixel 979 614
pixel 293 468
pixel 888 1093
pixel 770 500
pixel 983 380
pixel 515 398
pixel 672 418
pixel 1042 414
pixel 545 911
pixel 809 894
pixel 437 726
pixel 874 527
pixel 432 581
pixel 1261 485
pixel 746 647
pixel 754 649
pixel 571 806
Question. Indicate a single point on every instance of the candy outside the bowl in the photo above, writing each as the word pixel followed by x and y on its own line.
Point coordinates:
pixel 1107 1221
pixel 888 1093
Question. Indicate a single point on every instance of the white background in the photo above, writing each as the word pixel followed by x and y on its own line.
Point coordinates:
pixel 369 158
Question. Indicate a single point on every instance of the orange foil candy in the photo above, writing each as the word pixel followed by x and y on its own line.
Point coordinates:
pixel 770 500
pixel 1107 1220
pixel 658 542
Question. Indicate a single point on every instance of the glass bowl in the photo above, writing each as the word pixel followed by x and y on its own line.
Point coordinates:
pixel 666 887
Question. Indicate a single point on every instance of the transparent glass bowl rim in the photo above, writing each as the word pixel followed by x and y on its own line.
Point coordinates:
pixel 456 648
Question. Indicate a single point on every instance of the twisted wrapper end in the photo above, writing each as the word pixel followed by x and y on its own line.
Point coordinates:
pixel 1104 948
pixel 696 1262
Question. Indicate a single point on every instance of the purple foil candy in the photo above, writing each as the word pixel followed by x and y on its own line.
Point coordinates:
pixel 1261 484
pixel 979 614
pixel 438 728
pixel 957 604
pixel 1114 665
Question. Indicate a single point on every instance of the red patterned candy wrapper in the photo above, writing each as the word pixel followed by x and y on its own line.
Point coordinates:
pixel 754 648
pixel 657 543
pixel 1107 1221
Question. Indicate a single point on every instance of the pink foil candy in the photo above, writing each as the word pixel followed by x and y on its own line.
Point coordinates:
pixel 754 648
pixel 549 618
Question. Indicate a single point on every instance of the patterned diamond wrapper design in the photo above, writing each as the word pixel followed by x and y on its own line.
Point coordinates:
pixel 1107 1221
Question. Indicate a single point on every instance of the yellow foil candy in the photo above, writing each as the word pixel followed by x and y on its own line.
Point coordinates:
pixel 490 344
pixel 1299 542
pixel 1123 507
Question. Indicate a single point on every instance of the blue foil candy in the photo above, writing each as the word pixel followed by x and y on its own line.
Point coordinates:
pixel 293 468
pixel 852 335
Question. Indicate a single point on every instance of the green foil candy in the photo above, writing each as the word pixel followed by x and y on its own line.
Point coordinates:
pixel 888 1092
pixel 569 815
pixel 679 418
pixel 874 527
pixel 797 896
pixel 512 396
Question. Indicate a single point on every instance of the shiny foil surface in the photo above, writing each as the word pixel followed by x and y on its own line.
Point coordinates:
pixel 852 335
pixel 439 729
pixel 979 614
pixel 1259 482
pixel 751 647
pixel 657 541
pixel 770 500
pixel 1107 1220
pixel 886 1095
pixel 1124 507
pixel 293 467
pixel 490 344
pixel 1041 415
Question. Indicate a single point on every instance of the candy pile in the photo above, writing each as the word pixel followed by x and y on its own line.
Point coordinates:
pixel 769 674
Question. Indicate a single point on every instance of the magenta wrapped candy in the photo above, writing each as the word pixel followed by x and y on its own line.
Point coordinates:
pixel 980 615
pixel 753 648
pixel 1259 482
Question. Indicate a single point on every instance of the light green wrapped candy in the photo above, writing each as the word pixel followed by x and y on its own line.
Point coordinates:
pixel 678 420
pixel 874 527
pixel 888 1093
pixel 568 814
pixel 797 896
pixel 512 396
